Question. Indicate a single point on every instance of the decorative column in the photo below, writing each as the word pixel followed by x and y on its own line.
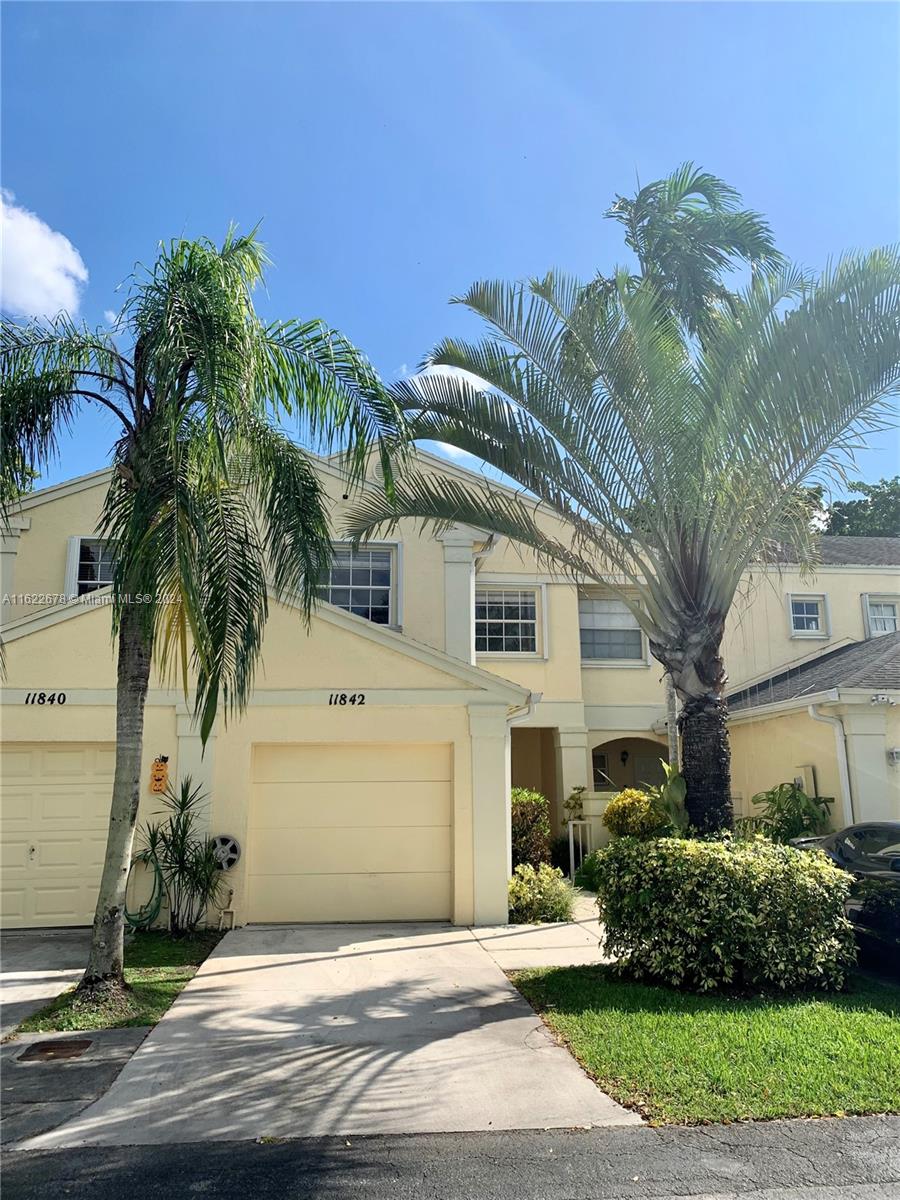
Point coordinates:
pixel 491 782
pixel 9 548
pixel 873 794
pixel 459 592
pixel 571 750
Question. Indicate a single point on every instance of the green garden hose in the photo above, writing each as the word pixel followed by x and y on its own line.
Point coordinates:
pixel 148 912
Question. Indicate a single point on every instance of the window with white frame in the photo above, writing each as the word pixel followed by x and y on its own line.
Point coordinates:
pixel 506 621
pixel 882 615
pixel 600 770
pixel 90 566
pixel 362 582
pixel 609 630
pixel 809 616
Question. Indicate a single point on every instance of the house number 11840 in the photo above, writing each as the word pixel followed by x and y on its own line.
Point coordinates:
pixel 347 698
pixel 45 697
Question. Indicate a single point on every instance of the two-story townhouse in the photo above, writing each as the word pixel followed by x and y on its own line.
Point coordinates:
pixel 369 777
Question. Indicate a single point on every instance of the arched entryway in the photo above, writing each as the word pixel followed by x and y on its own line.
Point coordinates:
pixel 627 762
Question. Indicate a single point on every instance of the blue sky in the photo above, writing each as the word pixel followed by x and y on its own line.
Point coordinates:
pixel 396 152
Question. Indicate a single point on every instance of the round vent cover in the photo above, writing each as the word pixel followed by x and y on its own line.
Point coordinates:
pixel 227 850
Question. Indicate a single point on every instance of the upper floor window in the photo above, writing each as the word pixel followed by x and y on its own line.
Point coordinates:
pixel 882 615
pixel 609 630
pixel 506 621
pixel 809 616
pixel 362 582
pixel 90 566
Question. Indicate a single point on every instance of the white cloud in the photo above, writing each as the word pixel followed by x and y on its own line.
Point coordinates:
pixel 454 452
pixel 41 272
pixel 109 316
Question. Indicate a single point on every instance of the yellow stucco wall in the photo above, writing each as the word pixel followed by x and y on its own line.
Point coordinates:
pixel 608 702
pixel 41 561
pixel 768 752
pixel 298 670
pixel 757 638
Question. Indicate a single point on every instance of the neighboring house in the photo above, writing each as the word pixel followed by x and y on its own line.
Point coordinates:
pixel 369 777
pixel 831 723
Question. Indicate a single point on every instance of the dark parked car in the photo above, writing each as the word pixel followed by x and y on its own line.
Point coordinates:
pixel 871 853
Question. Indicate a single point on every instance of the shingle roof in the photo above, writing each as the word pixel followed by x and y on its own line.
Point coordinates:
pixel 839 551
pixel 872 664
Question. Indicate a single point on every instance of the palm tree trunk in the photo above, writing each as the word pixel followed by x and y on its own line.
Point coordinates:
pixel 706 762
pixel 107 940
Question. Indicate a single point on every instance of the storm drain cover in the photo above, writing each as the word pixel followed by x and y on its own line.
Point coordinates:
pixel 47 1051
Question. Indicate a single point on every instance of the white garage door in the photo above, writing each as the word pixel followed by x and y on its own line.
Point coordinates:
pixel 350 833
pixel 53 819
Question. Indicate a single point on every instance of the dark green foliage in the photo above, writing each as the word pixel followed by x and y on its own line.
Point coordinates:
pixel 588 874
pixel 877 514
pixel 559 853
pixel 702 915
pixel 787 812
pixel 530 827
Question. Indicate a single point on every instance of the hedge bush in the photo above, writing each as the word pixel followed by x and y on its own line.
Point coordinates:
pixel 531 838
pixel 632 813
pixel 539 894
pixel 701 915
pixel 588 873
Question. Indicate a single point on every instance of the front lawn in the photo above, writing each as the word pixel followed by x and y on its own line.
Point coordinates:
pixel 156 966
pixel 686 1058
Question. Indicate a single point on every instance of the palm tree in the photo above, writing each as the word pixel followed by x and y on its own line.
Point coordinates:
pixel 686 231
pixel 655 462
pixel 210 506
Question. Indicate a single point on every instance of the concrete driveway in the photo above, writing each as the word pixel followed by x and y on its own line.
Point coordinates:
pixel 35 966
pixel 299 1031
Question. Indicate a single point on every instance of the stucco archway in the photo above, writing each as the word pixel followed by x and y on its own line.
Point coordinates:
pixel 629 761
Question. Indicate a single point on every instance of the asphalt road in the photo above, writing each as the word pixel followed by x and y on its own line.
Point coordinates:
pixel 854 1159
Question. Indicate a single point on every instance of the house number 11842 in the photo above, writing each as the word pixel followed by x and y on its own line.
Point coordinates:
pixel 347 698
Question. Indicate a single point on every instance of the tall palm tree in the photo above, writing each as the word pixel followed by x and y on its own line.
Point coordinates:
pixel 210 505
pixel 687 232
pixel 652 461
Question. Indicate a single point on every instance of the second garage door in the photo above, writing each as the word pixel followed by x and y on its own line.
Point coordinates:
pixel 350 833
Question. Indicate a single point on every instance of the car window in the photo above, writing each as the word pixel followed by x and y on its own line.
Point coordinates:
pixel 871 841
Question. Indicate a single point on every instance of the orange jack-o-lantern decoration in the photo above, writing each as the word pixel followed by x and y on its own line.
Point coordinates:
pixel 159 774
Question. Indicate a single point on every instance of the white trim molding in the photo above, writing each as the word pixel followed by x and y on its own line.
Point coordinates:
pixel 870 598
pixel 821 600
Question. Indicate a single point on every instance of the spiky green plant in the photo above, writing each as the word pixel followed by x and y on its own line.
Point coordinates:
pixel 210 505
pixel 190 872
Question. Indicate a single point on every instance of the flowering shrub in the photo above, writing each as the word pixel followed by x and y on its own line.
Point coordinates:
pixel 531 839
pixel 539 894
pixel 634 814
pixel 703 915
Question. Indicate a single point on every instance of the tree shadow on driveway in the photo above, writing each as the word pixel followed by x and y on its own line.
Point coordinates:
pixel 317 1030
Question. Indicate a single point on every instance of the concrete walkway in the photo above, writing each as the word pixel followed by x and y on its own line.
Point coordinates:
pixel 35 966
pixel 306 1031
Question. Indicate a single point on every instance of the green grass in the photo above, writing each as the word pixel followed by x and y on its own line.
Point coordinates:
pixel 685 1058
pixel 157 967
